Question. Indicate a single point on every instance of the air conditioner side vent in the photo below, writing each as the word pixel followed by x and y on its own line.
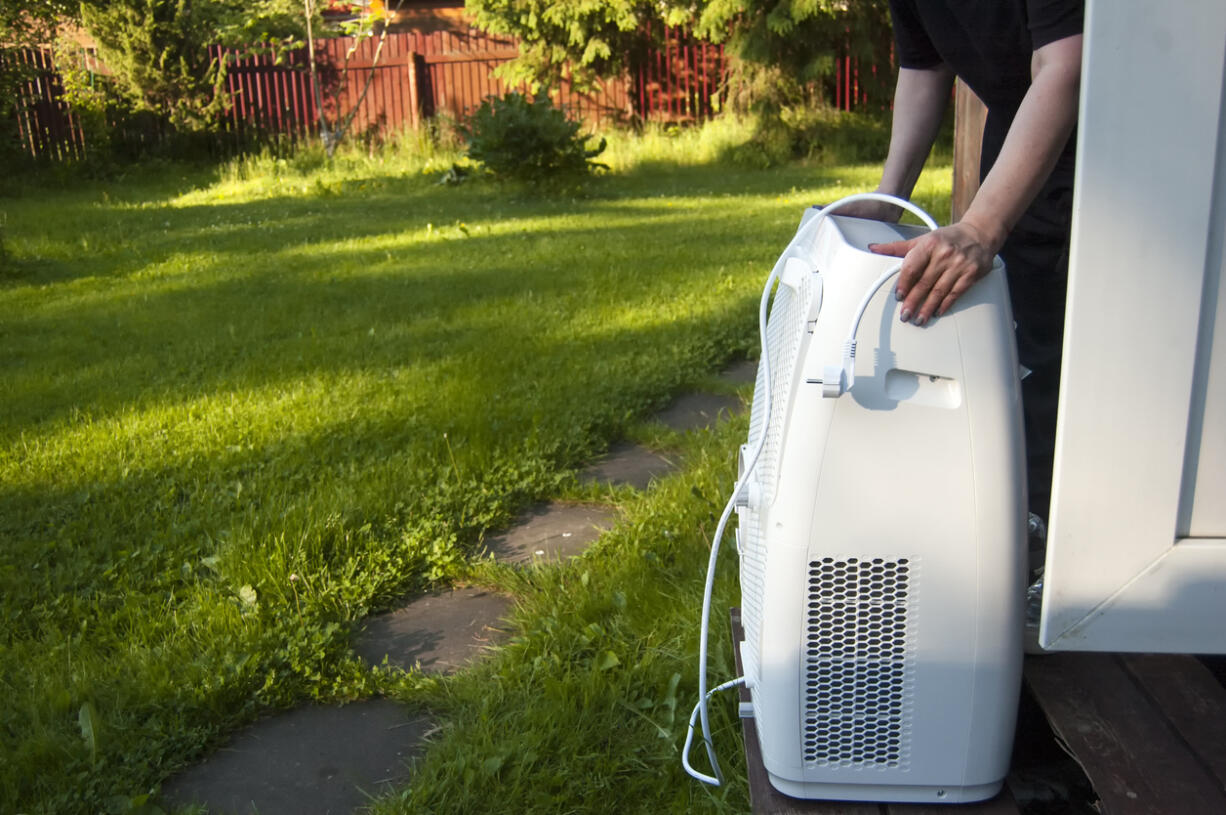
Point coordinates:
pixel 859 663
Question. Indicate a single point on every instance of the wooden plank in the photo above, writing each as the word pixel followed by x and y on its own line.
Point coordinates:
pixel 394 111
pixel 969 117
pixel 1137 762
pixel 1191 699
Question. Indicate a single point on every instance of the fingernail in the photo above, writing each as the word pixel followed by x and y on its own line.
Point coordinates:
pixel 905 315
pixel 920 319
pixel 873 246
pixel 897 293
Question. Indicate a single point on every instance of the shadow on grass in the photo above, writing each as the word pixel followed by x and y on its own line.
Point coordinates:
pixel 186 296
pixel 379 322
pixel 540 342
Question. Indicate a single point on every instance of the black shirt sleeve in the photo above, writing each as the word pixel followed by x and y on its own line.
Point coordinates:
pixel 1051 20
pixel 915 49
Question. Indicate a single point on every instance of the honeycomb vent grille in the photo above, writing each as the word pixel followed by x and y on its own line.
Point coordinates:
pixel 859 672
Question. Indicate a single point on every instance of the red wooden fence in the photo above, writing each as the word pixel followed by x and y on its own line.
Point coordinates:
pixel 45 126
pixel 417 75
pixel 681 78
pixel 422 74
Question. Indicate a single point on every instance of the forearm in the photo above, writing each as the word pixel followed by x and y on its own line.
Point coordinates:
pixel 1040 129
pixel 920 99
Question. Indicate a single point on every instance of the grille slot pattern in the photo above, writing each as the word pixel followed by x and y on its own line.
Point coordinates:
pixel 785 330
pixel 753 578
pixel 859 673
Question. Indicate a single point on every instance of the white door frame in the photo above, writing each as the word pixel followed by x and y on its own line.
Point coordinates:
pixel 1136 556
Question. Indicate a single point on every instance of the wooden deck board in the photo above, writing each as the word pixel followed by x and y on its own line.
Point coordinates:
pixel 1149 731
pixel 1112 713
pixel 1193 701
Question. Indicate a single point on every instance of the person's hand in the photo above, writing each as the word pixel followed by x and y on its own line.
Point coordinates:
pixel 938 268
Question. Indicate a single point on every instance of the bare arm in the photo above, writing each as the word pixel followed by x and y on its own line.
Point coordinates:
pixel 920 99
pixel 1039 131
pixel 940 266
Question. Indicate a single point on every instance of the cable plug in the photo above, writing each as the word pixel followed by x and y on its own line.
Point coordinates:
pixel 834 381
pixel 838 379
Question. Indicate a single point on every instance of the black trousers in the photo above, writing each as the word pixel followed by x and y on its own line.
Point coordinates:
pixel 1036 265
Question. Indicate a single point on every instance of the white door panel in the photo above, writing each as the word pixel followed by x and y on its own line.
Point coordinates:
pixel 1137 546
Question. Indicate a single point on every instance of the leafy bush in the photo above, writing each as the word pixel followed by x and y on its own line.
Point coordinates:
pixel 528 139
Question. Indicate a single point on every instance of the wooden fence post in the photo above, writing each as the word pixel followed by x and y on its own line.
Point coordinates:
pixel 414 99
pixel 969 116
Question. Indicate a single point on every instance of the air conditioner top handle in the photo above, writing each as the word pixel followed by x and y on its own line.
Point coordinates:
pixel 838 379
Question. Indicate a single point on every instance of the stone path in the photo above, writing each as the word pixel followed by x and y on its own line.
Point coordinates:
pixel 438 633
pixel 697 411
pixel 550 532
pixel 325 761
pixel 629 464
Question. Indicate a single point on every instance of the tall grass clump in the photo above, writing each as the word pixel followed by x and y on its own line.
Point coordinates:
pixel 427 152
pixel 586 709
pixel 814 136
pixel 710 142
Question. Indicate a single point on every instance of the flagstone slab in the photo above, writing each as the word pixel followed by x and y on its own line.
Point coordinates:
pixel 551 532
pixel 440 632
pixel 744 372
pixel 628 464
pixel 698 411
pixel 309 761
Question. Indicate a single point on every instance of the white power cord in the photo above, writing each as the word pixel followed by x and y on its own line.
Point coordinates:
pixel 842 375
pixel 838 379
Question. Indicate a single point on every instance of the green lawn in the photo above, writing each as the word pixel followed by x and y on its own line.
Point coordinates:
pixel 214 382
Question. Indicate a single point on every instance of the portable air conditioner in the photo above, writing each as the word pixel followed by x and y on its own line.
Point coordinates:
pixel 881 515
pixel 882 536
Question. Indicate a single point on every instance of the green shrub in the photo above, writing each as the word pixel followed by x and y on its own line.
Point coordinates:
pixel 528 139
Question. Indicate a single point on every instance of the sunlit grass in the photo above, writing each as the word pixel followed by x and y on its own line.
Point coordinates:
pixel 348 373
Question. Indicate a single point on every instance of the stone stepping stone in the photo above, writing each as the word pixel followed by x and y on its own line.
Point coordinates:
pixel 441 632
pixel 744 372
pixel 551 532
pixel 628 464
pixel 698 411
pixel 310 761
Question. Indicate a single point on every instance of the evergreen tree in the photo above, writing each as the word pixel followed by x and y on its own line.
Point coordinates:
pixel 160 55
pixel 582 40
pixel 784 49
pixel 797 36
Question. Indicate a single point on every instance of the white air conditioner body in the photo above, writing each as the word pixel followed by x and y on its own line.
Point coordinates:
pixel 881 536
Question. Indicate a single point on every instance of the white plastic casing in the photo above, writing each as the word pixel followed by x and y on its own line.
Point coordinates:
pixel 882 540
